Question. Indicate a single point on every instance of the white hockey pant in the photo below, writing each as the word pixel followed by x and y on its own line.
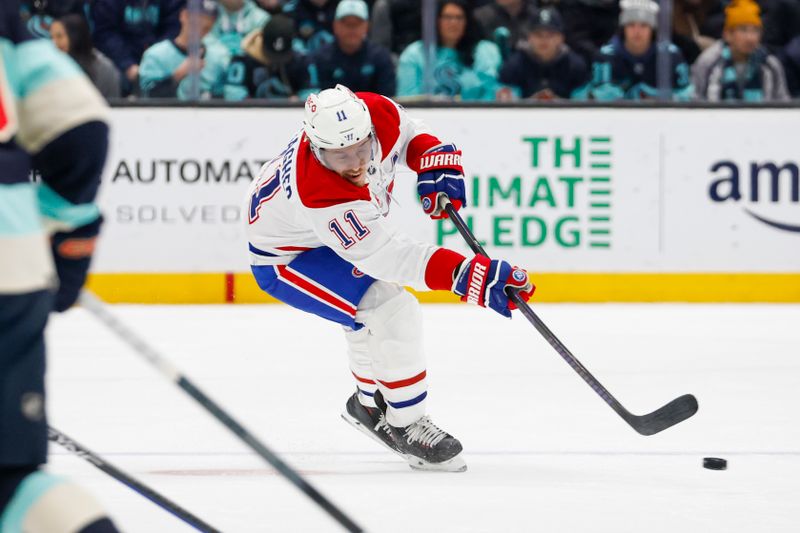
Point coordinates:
pixel 387 352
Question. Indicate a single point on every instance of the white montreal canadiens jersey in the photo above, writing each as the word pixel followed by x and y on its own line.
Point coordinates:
pixel 296 204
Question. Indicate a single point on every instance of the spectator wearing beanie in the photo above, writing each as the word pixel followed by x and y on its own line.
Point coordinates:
pixel 352 59
pixel 738 67
pixel 626 68
pixel 544 68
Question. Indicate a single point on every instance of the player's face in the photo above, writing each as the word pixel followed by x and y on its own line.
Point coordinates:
pixel 546 44
pixel 351 162
pixel 59 35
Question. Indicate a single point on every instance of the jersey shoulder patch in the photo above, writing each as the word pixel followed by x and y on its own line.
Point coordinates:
pixel 318 187
pixel 385 119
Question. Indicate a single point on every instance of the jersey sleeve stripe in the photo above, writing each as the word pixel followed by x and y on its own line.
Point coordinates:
pixel 440 268
pixel 417 147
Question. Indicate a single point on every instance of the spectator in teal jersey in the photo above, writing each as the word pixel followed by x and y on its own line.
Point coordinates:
pixel 466 66
pixel 626 67
pixel 236 19
pixel 268 66
pixel 166 70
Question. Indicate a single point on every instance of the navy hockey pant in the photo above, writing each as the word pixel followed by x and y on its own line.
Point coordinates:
pixel 23 427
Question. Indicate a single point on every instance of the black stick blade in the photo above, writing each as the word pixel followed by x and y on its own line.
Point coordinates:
pixel 673 413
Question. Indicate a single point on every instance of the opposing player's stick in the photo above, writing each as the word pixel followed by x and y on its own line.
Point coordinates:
pixel 96 307
pixel 674 412
pixel 91 457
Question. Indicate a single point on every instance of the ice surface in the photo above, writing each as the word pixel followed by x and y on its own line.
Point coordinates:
pixel 545 453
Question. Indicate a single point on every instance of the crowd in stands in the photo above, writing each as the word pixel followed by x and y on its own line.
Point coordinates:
pixel 486 50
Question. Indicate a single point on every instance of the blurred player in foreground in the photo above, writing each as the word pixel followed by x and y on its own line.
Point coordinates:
pixel 53 119
pixel 319 241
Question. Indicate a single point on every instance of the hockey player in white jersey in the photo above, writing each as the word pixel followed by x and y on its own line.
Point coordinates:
pixel 319 241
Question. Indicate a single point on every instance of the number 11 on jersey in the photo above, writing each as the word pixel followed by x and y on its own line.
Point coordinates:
pixel 344 237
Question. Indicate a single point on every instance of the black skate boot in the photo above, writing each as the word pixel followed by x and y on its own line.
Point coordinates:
pixel 370 421
pixel 423 445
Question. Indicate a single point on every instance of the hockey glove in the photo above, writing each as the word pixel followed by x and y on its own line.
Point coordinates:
pixel 484 281
pixel 441 174
pixel 72 253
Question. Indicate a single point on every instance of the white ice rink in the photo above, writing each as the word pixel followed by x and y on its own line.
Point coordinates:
pixel 545 454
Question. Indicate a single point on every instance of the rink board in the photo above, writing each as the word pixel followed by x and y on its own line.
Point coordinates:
pixel 599 204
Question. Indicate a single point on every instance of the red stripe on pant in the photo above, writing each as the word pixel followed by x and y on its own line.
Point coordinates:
pixel 328 297
pixel 362 380
pixel 404 382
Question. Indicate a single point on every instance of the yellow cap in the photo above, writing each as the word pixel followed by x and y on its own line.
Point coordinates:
pixel 741 13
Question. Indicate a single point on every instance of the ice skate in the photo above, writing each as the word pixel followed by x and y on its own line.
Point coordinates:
pixel 370 421
pixel 424 445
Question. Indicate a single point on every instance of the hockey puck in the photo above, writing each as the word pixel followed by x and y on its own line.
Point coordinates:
pixel 715 463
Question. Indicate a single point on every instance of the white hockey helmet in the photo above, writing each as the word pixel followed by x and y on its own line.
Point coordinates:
pixel 336 118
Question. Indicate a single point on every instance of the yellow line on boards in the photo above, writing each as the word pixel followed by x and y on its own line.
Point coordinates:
pixel 192 288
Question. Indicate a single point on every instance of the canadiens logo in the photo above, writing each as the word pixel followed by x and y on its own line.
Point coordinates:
pixel 357 273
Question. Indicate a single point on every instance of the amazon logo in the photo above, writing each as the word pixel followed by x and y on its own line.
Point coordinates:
pixel 758 186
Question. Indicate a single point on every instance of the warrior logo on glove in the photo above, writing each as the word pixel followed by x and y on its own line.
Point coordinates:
pixel 485 282
pixel 440 174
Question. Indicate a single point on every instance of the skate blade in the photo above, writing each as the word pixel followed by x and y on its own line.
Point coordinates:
pixel 456 464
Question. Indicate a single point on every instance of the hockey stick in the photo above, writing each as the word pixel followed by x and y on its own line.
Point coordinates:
pixel 91 457
pixel 672 413
pixel 96 307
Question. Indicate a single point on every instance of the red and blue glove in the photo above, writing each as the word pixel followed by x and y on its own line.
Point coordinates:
pixel 483 281
pixel 440 173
